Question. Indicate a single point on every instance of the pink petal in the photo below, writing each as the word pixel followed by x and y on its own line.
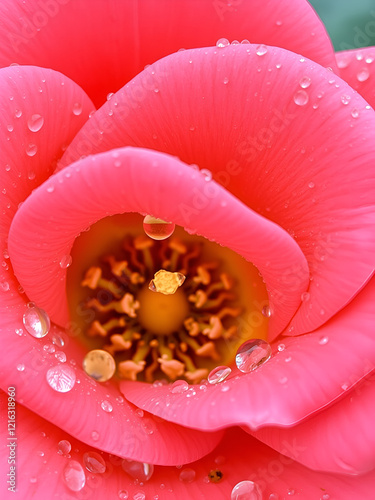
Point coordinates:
pixel 135 180
pixel 233 111
pixel 307 375
pixel 40 468
pixel 339 439
pixel 357 67
pixel 110 42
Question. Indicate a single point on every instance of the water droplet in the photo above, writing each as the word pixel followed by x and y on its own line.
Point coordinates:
pixel 355 113
pixel 266 311
pixel 139 412
pixel 157 229
pixel 283 380
pixel 246 490
pixel 273 496
pixel 323 340
pixel 235 42
pixel 187 475
pixel 64 447
pixel 311 185
pixel 35 123
pixel 31 149
pixel 138 470
pixel 245 41
pixel 179 386
pixel 281 347
pixel 18 113
pixel 261 50
pixel 345 99
pixel 57 340
pixel 19 331
pixel 106 406
pixel 225 388
pixel 77 108
pixel 109 96
pixel 36 321
pixel 301 98
pixel 123 494
pixel 99 365
pixel 252 354
pixel 66 261
pixel 61 378
pixel 226 80
pixel 21 367
pixel 49 348
pixel 4 285
pixel 94 462
pixel 74 476
pixel 219 374
pixel 222 42
pixel 369 59
pixel 60 356
pixel 139 496
pixel 50 189
pixel 325 497
pixel 305 82
pixel 291 492
pixel 305 296
pixel 207 174
pixel 363 75
pixel 95 435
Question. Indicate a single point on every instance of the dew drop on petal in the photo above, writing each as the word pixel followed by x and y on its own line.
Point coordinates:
pixel 301 98
pixel 18 113
pixel 60 356
pixel 94 462
pixel 21 367
pixel 74 476
pixel 305 296
pixel 138 470
pixel 323 340
pixel 36 321
pixel 31 149
pixel 106 406
pixel 207 174
pixel 99 365
pixel 77 108
pixel 246 490
pixel 218 374
pixel 123 495
pixel 179 386
pixel 157 229
pixel 252 354
pixel 363 75
pixel 35 123
pixel 281 347
pixel 64 447
pixel 355 113
pixel 187 475
pixel 66 261
pixel 61 378
pixel 266 311
pixel 222 42
pixel 305 82
pixel 95 435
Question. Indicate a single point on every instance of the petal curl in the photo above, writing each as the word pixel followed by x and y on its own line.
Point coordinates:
pixel 112 41
pixel 270 126
pixel 308 374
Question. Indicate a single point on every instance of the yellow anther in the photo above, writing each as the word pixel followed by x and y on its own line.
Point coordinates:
pixel 171 367
pixel 129 369
pixel 166 282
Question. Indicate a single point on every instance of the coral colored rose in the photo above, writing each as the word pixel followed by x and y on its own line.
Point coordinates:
pixel 290 146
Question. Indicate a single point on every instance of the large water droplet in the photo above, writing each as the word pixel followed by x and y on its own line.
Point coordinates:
pixel 61 378
pixel 74 476
pixel 363 75
pixel 138 470
pixel 64 447
pixel 301 98
pixel 66 261
pixel 35 123
pixel 252 354
pixel 36 321
pixel 246 490
pixel 77 108
pixel 218 374
pixel 106 406
pixel 305 82
pixel 187 475
pixel 99 365
pixel 261 50
pixel 222 42
pixel 157 229
pixel 31 149
pixel 179 386
pixel 94 462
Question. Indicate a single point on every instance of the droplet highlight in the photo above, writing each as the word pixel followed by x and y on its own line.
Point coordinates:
pixel 222 42
pixel 74 476
pixel 218 374
pixel 61 378
pixel 261 50
pixel 252 354
pixel 99 365
pixel 36 321
pixel 246 490
pixel 66 261
pixel 157 229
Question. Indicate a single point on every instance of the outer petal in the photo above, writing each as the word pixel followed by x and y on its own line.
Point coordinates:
pixel 270 126
pixel 339 439
pixel 357 67
pixel 308 374
pixel 112 41
pixel 135 180
pixel 240 457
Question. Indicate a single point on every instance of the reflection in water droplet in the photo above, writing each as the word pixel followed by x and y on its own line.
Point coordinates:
pixel 36 321
pixel 179 386
pixel 138 470
pixel 99 365
pixel 64 447
pixel 301 97
pixel 157 229
pixel 94 462
pixel 246 490
pixel 74 476
pixel 35 123
pixel 66 261
pixel 252 354
pixel 219 374
pixel 106 406
pixel 222 42
pixel 187 475
pixel 61 378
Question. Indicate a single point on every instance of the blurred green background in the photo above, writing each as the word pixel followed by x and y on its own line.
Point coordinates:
pixel 350 23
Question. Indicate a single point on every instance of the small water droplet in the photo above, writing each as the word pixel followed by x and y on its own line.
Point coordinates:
pixel 138 470
pixel 187 475
pixel 18 113
pixel 305 296
pixel 305 82
pixel 139 412
pixel 252 354
pixel 57 340
pixel 4 285
pixel 323 340
pixel 99 365
pixel 235 42
pixel 311 185
pixel 64 447
pixel 207 174
pixel 179 386
pixel 226 80
pixel 278 65
pixel 245 41
pixel 222 42
pixel 140 495
pixel 66 261
pixel 21 367
pixel 19 331
pixel 74 476
pixel 283 380
pixel 281 347
pixel 35 123
pixel 246 490
pixel 261 50
pixel 50 189
pixel 291 492
pixel 31 149
pixel 95 435
pixel 61 378
pixel 325 497
pixel 345 99
pixel 60 356
pixel 355 113
pixel 94 462
pixel 123 494
pixel 363 75
pixel 109 96
pixel 266 311
pixel 10 128
pixel 49 348
pixel 369 59
pixel 301 98
pixel 36 321
pixel 106 406
pixel 219 374
pixel 157 229
pixel 77 108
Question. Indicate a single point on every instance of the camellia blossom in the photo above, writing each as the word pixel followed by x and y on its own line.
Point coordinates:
pixel 187 193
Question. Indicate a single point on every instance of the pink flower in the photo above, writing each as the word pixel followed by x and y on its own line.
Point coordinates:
pixel 290 147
